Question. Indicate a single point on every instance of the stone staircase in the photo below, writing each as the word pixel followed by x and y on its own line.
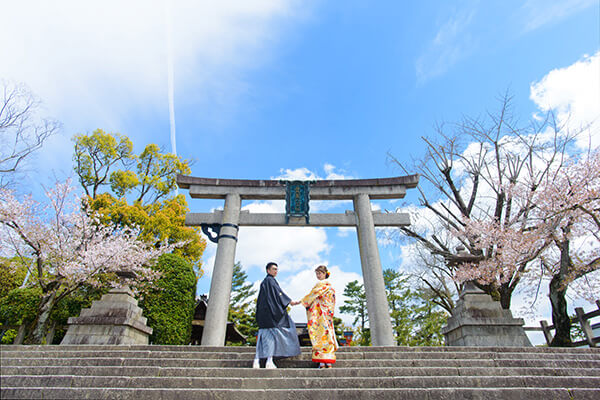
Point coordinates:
pixel 192 372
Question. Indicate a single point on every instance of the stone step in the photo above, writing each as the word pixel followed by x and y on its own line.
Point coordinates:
pixel 154 371
pixel 302 394
pixel 290 363
pixel 194 372
pixel 181 372
pixel 206 355
pixel 341 350
pixel 300 383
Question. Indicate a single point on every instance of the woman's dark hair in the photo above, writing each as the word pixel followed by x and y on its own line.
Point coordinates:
pixel 269 265
pixel 323 269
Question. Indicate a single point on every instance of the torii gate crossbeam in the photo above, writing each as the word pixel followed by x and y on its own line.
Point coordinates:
pixel 360 191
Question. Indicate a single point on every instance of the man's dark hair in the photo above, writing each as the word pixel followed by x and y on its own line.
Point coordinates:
pixel 269 265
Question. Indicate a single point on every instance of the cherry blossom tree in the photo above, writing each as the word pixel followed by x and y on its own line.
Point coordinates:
pixel 473 175
pixel 561 231
pixel 569 204
pixel 70 247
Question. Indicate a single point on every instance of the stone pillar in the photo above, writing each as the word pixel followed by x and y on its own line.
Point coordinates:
pixel 377 305
pixel 215 324
pixel 478 320
pixel 114 319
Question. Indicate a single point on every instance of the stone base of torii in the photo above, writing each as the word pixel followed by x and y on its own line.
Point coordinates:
pixel 227 222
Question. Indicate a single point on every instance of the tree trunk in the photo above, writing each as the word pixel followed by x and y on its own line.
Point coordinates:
pixel 558 300
pixel 40 325
pixel 502 293
pixel 560 317
pixel 505 295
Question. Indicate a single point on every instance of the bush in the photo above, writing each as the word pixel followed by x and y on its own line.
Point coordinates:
pixel 9 336
pixel 20 306
pixel 169 306
pixel 11 276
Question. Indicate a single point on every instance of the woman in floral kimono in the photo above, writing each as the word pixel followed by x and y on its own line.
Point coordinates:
pixel 320 304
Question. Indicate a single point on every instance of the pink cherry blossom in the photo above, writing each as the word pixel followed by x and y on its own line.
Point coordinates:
pixel 68 245
pixel 566 206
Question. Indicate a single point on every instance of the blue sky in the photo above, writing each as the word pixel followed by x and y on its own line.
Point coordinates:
pixel 268 89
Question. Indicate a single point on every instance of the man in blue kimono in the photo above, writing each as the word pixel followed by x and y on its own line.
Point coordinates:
pixel 277 335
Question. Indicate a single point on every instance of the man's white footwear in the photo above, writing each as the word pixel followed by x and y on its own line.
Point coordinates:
pixel 270 365
pixel 256 364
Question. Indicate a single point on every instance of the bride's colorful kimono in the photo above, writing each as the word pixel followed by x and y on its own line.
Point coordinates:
pixel 320 304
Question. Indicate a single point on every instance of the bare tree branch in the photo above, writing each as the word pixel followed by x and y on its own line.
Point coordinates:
pixel 22 132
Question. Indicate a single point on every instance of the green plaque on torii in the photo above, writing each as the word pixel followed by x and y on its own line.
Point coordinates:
pixel 297 196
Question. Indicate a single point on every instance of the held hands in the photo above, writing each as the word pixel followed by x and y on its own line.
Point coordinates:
pixel 294 303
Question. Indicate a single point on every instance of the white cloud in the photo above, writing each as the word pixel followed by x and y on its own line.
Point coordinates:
pixel 298 174
pixel 293 248
pixel 344 231
pixel 268 206
pixel 537 13
pixel 331 173
pixel 451 43
pixel 97 62
pixel 208 262
pixel 573 93
pixel 305 174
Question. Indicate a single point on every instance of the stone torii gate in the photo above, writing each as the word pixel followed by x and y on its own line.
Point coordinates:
pixel 225 225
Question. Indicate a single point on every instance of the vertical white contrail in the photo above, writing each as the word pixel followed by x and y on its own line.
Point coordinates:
pixel 170 76
pixel 170 81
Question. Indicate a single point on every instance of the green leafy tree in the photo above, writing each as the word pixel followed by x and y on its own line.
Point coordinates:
pixel 240 312
pixel 96 154
pixel 12 274
pixel 416 319
pixel 101 162
pixel 106 160
pixel 159 222
pixel 19 307
pixel 429 320
pixel 169 304
pixel 356 305
pixel 399 299
pixel 241 289
pixel 156 174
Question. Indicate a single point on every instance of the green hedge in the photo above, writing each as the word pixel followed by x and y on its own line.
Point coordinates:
pixel 20 306
pixel 170 306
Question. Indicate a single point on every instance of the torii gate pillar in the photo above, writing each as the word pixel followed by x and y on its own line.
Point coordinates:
pixel 377 304
pixel 215 322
